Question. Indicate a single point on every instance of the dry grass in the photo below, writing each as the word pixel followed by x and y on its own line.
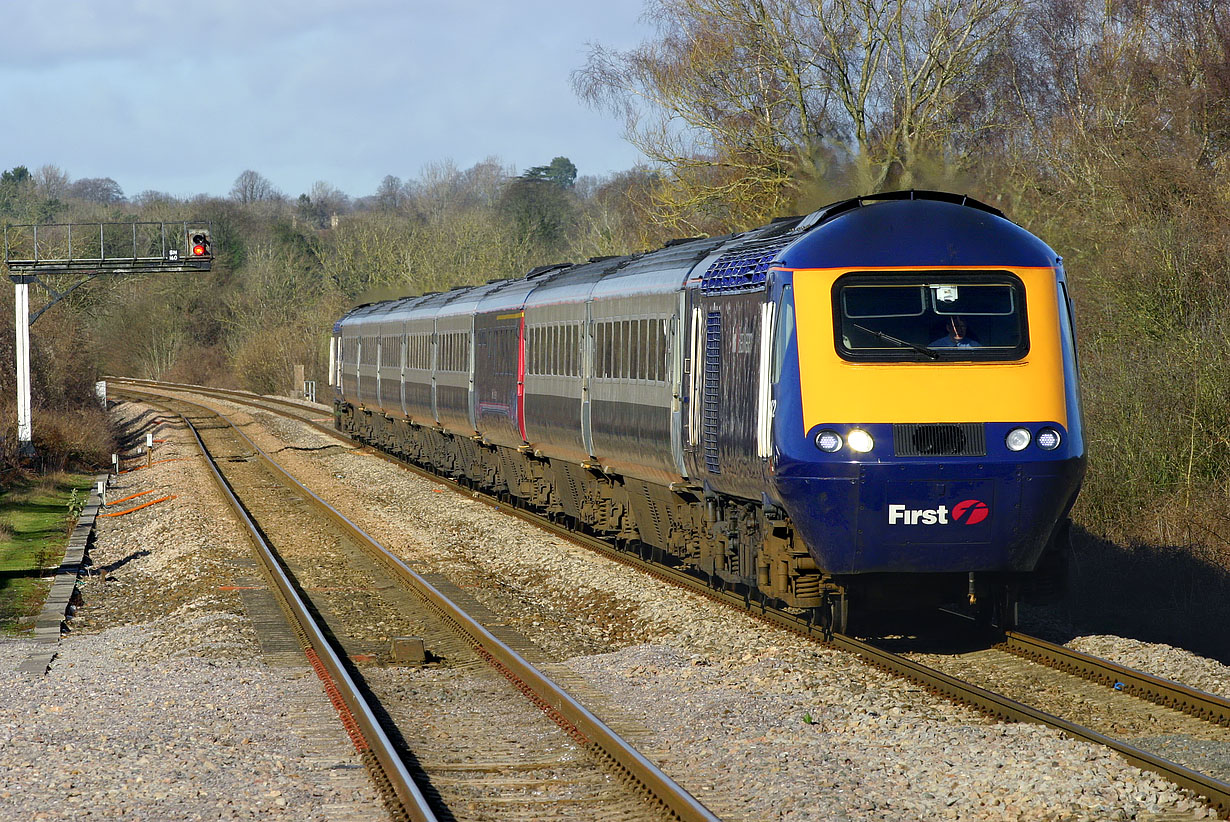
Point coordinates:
pixel 75 439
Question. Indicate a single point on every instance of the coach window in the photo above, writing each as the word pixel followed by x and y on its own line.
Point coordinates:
pixel 620 354
pixel 659 349
pixel 655 349
pixel 555 350
pixel 634 349
pixel 596 357
pixel 629 349
pixel 646 350
pixel 560 352
pixel 572 349
pixel 545 358
pixel 547 353
pixel 613 354
pixel 616 347
pixel 576 350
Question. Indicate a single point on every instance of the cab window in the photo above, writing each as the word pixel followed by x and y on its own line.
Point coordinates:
pixel 930 317
pixel 785 331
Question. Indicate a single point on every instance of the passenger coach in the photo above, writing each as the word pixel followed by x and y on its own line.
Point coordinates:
pixel 875 405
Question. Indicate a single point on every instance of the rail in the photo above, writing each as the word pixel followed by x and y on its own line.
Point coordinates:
pixel 591 729
pixel 413 803
pixel 1204 706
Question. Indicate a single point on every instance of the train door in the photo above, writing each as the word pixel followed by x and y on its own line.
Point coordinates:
pixel 675 373
pixel 435 367
pixel 587 372
pixel 765 405
pixel 693 371
pixel 380 346
pixel 402 381
pixel 470 383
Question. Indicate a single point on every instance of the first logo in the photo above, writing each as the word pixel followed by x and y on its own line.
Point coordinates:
pixel 970 511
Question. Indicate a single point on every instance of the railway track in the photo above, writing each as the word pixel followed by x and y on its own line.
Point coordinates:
pixel 428 732
pixel 1185 711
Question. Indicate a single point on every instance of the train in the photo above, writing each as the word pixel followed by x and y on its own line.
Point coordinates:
pixel 871 408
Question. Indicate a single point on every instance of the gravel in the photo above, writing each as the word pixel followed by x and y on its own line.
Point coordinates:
pixel 1160 660
pixel 159 705
pixel 757 723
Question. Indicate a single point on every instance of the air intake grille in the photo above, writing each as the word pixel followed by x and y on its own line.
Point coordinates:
pixel 710 419
pixel 743 269
pixel 956 439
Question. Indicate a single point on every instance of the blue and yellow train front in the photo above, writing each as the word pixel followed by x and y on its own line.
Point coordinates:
pixel 926 409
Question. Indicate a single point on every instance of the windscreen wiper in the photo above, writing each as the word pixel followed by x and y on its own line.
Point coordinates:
pixel 921 349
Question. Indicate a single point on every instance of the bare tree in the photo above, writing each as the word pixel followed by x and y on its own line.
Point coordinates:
pixel 391 194
pixel 52 181
pixel 737 97
pixel 323 205
pixel 251 187
pixel 102 190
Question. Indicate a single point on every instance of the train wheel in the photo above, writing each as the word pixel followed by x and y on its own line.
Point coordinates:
pixel 834 615
pixel 998 608
pixel 1008 609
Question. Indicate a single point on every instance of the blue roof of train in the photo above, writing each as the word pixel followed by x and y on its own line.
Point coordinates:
pixel 872 233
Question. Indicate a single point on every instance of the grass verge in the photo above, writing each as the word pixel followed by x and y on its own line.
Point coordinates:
pixel 34 528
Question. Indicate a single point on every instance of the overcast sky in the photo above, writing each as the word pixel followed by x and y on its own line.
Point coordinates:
pixel 183 96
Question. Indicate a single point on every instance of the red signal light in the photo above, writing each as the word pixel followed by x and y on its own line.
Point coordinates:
pixel 198 244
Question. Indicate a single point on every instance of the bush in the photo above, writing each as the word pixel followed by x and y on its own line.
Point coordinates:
pixel 75 438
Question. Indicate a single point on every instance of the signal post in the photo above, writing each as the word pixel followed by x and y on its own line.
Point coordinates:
pixel 51 255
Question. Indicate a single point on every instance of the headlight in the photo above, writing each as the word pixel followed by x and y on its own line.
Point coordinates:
pixel 1048 439
pixel 828 441
pixel 1017 439
pixel 860 440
